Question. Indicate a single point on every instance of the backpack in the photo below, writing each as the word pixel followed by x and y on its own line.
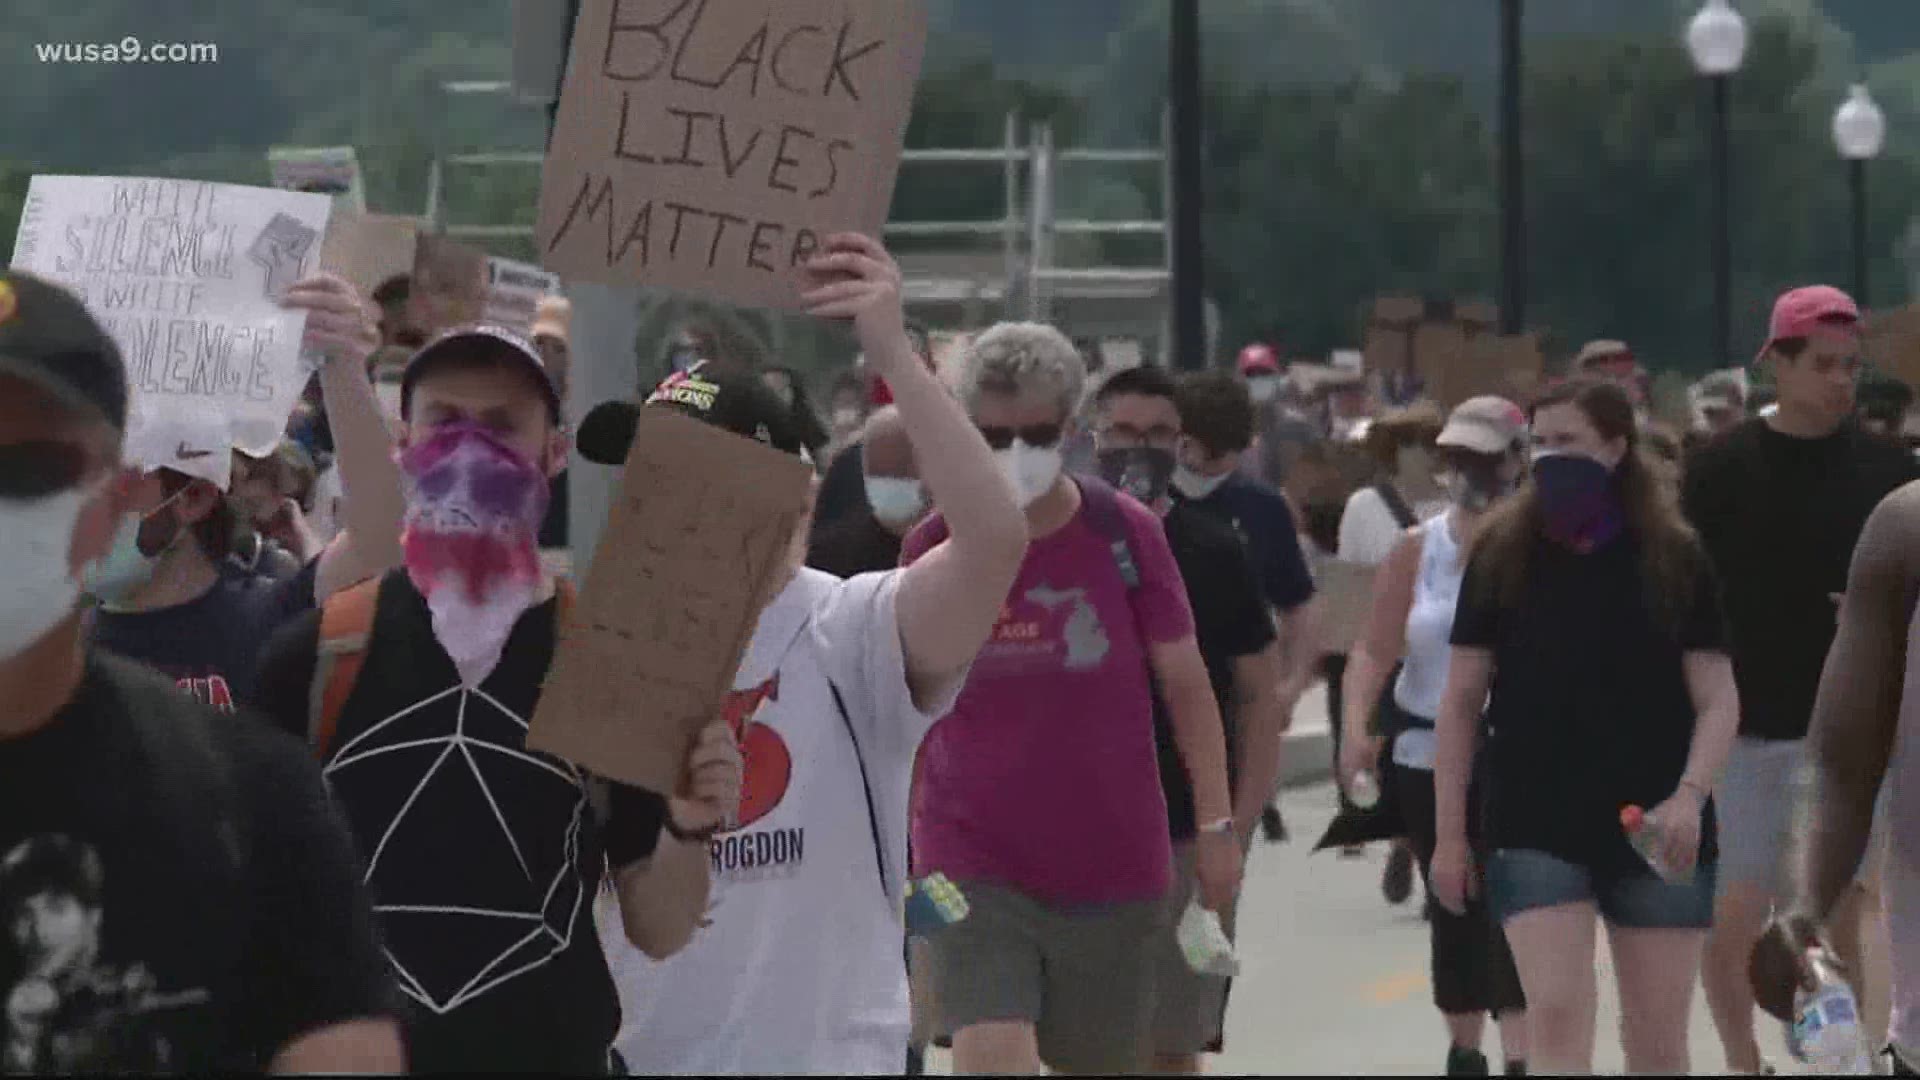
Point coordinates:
pixel 346 629
pixel 1102 504
pixel 1396 505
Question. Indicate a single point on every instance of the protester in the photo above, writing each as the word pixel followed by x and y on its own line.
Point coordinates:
pixel 396 322
pixel 1040 795
pixel 1216 415
pixel 1482 446
pixel 1287 425
pixel 1404 493
pixel 1779 503
pixel 798 968
pixel 895 500
pixel 1861 739
pixel 1349 405
pixel 1137 426
pixel 552 335
pixel 176 892
pixel 1590 611
pixel 1614 362
pixel 1719 403
pixel 167 597
pixel 415 691
pixel 843 490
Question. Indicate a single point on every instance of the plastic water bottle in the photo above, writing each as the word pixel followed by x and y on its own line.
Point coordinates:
pixel 1643 832
pixel 1826 1022
pixel 1204 943
pixel 1363 790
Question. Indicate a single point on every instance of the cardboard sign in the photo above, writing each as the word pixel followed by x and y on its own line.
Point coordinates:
pixel 1891 342
pixel 449 284
pixel 185 275
pixel 333 171
pixel 691 545
pixel 1348 591
pixel 710 145
pixel 367 249
pixel 513 293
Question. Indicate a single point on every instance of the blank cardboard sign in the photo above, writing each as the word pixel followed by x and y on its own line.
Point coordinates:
pixel 367 249
pixel 699 530
pixel 709 145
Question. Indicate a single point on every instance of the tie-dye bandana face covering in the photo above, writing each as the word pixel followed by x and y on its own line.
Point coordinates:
pixel 474 507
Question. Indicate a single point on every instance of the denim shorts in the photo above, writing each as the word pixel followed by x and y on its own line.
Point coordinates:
pixel 1520 880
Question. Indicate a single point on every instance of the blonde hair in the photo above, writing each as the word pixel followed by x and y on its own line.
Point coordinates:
pixel 1020 359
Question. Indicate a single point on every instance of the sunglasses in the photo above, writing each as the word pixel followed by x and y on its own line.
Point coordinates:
pixel 1038 435
pixel 34 470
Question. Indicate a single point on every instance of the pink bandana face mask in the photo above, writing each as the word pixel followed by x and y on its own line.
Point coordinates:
pixel 474 507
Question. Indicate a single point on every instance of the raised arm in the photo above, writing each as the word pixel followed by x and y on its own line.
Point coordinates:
pixel 342 328
pixel 949 600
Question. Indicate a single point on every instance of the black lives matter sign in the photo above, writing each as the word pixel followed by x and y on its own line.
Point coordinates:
pixel 710 145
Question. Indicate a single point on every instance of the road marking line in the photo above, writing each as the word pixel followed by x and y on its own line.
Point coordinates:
pixel 1396 988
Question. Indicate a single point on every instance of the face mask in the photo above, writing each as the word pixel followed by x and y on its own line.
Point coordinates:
pixel 846 419
pixel 1473 485
pixel 1195 486
pixel 125 569
pixel 38 589
pixel 1143 472
pixel 1578 500
pixel 1030 469
pixel 474 507
pixel 1264 388
pixel 896 500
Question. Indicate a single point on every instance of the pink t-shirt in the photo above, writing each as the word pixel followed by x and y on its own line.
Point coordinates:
pixel 1044 777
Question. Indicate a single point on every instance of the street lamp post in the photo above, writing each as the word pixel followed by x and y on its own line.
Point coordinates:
pixel 1859 133
pixel 1717 40
pixel 1513 194
pixel 1184 117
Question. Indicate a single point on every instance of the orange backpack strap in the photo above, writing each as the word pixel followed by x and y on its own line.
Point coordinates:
pixel 346 625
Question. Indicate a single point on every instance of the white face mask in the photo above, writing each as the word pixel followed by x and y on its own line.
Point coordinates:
pixel 896 500
pixel 125 569
pixel 1263 388
pixel 38 589
pixel 1030 469
pixel 1195 486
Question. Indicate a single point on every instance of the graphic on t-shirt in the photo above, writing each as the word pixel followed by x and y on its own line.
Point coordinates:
pixel 766 764
pixel 65 1010
pixel 513 902
pixel 1086 639
pixel 211 691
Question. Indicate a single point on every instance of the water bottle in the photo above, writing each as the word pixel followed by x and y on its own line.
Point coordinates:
pixel 1204 943
pixel 1363 790
pixel 1643 832
pixel 1826 1022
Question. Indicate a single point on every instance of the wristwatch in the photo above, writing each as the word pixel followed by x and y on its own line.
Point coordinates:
pixel 687 836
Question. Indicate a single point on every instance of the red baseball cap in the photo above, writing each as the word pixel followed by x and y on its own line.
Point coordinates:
pixel 1258 359
pixel 1800 311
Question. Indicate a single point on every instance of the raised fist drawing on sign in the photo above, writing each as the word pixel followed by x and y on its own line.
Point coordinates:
pixel 281 248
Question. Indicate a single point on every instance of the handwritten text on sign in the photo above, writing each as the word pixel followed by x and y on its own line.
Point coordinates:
pixel 709 145
pixel 690 549
pixel 185 276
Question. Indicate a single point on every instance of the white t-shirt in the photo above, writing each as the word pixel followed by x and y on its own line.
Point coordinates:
pixel 1368 529
pixel 802 969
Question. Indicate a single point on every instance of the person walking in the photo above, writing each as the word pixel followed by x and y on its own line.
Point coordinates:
pixel 1482 449
pixel 1590 611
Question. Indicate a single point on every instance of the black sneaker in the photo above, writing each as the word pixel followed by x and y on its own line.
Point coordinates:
pixel 1462 1062
pixel 1397 883
pixel 1271 826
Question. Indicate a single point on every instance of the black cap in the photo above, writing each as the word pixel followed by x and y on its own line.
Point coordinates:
pixel 733 401
pixel 48 338
pixel 476 340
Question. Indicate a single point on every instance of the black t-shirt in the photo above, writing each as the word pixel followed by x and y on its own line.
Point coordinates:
pixel 1230 621
pixel 210 646
pixel 843 491
pixel 1780 516
pixel 553 529
pixel 166 910
pixel 856 544
pixel 1589 708
pixel 483 857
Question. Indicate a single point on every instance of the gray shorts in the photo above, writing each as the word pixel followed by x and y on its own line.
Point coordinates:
pixel 1761 789
pixel 1189 1009
pixel 1083 979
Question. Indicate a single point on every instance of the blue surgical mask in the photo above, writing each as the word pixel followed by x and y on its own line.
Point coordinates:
pixel 125 569
pixel 1195 486
pixel 896 500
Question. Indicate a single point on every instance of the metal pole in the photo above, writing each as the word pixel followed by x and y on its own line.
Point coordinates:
pixel 1513 195
pixel 1183 96
pixel 1857 180
pixel 566 52
pixel 1722 225
pixel 1010 216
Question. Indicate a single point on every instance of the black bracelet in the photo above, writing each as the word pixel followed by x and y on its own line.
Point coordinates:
pixel 687 836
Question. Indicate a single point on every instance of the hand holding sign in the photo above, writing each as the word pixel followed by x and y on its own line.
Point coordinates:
pixel 281 247
pixel 857 279
pixel 710 799
pixel 339 326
